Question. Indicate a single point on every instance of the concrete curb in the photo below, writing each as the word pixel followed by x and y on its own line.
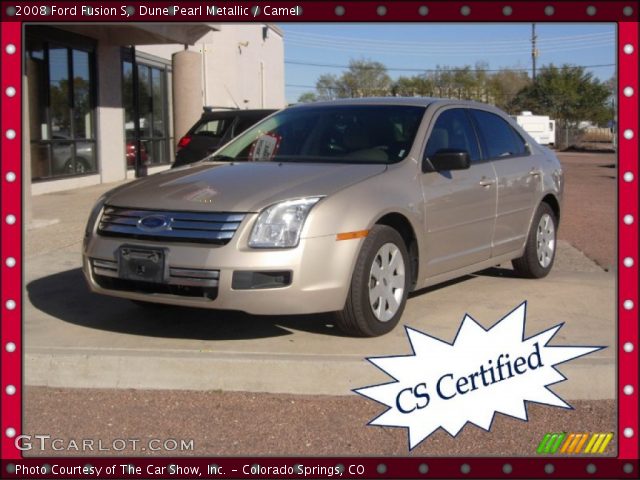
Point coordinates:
pixel 293 374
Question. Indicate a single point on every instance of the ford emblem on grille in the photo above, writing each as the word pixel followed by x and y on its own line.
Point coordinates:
pixel 153 223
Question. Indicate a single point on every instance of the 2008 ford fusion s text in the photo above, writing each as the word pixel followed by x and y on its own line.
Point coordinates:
pixel 343 206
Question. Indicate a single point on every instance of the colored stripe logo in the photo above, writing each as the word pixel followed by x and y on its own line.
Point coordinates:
pixel 574 443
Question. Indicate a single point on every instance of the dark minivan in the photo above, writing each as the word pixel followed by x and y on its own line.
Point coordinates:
pixel 215 128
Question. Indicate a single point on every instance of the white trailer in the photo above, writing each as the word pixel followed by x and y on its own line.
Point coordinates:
pixel 540 127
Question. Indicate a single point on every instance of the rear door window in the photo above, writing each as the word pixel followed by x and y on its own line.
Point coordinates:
pixel 498 137
pixel 521 145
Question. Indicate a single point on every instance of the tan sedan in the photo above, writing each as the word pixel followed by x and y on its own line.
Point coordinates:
pixel 342 206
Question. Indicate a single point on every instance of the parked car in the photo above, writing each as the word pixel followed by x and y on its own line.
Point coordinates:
pixel 342 206
pixel 84 162
pixel 131 154
pixel 131 150
pixel 62 161
pixel 215 128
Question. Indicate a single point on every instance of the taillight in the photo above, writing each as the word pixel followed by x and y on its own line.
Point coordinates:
pixel 184 141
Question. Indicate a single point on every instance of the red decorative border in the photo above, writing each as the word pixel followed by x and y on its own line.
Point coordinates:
pixel 366 11
pixel 627 238
pixel 624 466
pixel 11 235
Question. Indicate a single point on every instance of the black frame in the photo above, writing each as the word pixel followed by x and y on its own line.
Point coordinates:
pixel 70 41
pixel 138 61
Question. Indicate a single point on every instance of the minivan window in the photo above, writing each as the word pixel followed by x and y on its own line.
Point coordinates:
pixel 380 134
pixel 211 128
pixel 498 136
pixel 453 130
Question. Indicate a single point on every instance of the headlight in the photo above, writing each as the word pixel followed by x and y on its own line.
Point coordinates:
pixel 279 225
pixel 93 216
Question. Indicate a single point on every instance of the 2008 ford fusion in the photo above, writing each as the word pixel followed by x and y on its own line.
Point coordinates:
pixel 343 206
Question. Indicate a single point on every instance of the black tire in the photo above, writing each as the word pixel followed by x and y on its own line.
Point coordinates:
pixel 529 266
pixel 357 318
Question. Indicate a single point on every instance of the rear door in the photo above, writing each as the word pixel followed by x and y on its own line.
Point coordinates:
pixel 460 205
pixel 519 179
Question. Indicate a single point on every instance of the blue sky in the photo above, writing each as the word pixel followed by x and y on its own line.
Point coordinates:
pixel 426 45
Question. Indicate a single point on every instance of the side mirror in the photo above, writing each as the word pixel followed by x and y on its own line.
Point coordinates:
pixel 450 159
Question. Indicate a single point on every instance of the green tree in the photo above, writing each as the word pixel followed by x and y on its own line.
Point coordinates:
pixel 568 94
pixel 415 86
pixel 307 97
pixel 327 87
pixel 504 85
pixel 364 78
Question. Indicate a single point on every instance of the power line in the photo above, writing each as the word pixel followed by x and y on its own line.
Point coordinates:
pixel 458 69
pixel 438 44
pixel 448 52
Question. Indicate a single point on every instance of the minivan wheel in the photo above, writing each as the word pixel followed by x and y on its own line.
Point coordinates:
pixel 540 250
pixel 379 285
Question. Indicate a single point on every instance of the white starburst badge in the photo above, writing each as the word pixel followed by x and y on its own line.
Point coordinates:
pixel 482 372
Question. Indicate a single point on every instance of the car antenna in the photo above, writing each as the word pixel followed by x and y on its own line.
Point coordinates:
pixel 232 99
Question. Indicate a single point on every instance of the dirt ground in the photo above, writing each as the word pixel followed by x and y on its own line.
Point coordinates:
pixel 227 423
pixel 589 213
pixel 248 424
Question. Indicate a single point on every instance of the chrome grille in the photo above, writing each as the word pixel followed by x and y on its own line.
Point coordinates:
pixel 177 276
pixel 200 227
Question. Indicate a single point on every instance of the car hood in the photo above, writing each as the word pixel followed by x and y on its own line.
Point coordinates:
pixel 237 187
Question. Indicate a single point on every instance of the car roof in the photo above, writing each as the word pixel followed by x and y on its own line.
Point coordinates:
pixel 208 114
pixel 399 101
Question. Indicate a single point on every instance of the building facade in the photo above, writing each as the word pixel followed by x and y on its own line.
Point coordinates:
pixel 105 103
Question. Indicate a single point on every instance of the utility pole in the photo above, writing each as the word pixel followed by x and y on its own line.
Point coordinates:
pixel 534 50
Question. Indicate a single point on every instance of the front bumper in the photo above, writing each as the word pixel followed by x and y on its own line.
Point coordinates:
pixel 320 268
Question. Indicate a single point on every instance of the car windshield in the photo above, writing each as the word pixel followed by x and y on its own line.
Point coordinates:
pixel 337 134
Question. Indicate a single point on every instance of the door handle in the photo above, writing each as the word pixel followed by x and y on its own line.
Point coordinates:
pixel 534 172
pixel 486 182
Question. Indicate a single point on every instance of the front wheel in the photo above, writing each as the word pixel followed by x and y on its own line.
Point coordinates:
pixel 540 251
pixel 379 285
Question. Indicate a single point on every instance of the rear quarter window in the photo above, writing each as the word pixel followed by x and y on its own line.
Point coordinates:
pixel 212 128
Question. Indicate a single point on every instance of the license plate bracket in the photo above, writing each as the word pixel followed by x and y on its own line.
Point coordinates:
pixel 142 264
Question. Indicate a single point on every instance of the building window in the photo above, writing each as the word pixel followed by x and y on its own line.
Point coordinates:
pixel 153 112
pixel 61 98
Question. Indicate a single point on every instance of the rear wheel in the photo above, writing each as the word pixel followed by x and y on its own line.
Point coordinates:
pixel 540 250
pixel 379 285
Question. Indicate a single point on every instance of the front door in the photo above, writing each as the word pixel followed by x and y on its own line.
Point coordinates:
pixel 460 205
